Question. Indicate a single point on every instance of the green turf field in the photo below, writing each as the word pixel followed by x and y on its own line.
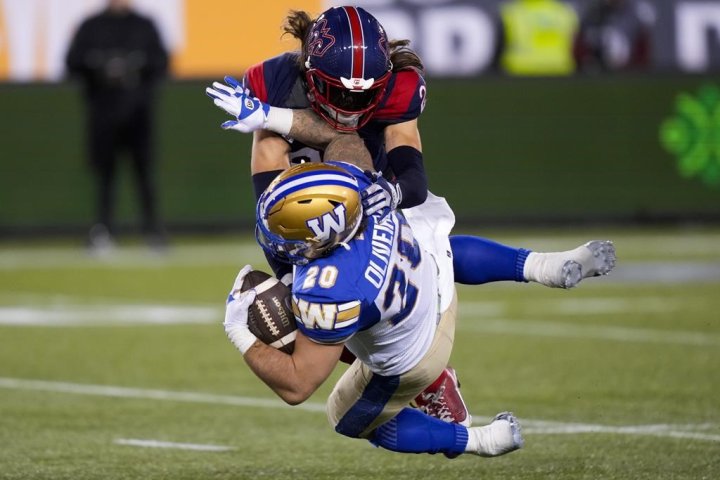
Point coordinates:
pixel 102 362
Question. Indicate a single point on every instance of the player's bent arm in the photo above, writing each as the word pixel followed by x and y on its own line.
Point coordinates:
pixel 404 147
pixel 269 152
pixel 309 128
pixel 349 148
pixel 405 133
pixel 293 377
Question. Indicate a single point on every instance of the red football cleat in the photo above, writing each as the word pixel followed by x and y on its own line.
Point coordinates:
pixel 442 399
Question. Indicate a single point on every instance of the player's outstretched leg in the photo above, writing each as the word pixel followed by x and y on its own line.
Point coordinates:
pixel 567 269
pixel 442 399
pixel 412 431
pixel 477 260
pixel 503 435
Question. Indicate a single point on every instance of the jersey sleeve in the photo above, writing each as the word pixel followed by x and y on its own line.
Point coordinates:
pixel 272 81
pixel 325 297
pixel 327 322
pixel 404 98
pixel 254 80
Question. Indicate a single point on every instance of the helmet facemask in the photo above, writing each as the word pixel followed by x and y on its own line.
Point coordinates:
pixel 347 66
pixel 346 104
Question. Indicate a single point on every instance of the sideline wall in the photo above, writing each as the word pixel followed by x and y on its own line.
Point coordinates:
pixel 563 150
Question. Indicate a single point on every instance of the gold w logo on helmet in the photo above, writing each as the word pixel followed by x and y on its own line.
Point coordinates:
pixel 329 224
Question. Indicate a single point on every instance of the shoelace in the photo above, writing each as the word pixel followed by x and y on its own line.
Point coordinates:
pixel 436 407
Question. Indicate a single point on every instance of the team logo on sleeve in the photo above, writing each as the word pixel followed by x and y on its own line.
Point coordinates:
pixel 326 316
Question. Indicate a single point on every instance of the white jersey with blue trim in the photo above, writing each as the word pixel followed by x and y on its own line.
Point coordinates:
pixel 378 294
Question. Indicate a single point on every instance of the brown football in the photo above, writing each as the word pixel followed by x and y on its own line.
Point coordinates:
pixel 270 316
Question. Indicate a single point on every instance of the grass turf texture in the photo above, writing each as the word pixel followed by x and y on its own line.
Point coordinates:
pixel 611 356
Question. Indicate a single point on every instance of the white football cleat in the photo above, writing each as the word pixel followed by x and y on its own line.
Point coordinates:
pixel 567 269
pixel 503 435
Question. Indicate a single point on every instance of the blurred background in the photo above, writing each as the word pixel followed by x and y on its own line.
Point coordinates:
pixel 548 123
pixel 601 111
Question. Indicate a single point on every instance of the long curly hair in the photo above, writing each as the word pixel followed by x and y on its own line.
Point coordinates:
pixel 298 24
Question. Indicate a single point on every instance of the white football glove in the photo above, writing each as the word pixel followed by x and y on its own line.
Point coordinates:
pixel 380 198
pixel 236 313
pixel 250 113
pixel 287 279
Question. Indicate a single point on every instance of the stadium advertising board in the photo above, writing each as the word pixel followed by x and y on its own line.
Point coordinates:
pixel 205 38
pixel 454 37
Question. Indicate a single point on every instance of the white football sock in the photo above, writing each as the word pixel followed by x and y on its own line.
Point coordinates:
pixel 566 269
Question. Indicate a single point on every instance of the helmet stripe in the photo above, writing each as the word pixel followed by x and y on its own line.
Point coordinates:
pixel 311 179
pixel 358 42
pixel 290 189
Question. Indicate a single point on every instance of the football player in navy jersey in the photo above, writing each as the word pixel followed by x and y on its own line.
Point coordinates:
pixel 351 88
pixel 383 288
pixel 351 91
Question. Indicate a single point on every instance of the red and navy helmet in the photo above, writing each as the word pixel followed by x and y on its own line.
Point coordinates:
pixel 348 66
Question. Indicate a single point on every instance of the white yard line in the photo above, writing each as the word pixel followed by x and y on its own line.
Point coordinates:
pixel 674 431
pixel 136 442
pixel 131 257
pixel 139 257
pixel 593 332
pixel 539 427
pixel 150 394
pixel 65 315
pixel 107 315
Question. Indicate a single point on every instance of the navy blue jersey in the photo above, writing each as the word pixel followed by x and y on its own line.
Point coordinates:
pixel 280 82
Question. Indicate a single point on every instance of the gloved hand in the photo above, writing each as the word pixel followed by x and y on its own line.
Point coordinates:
pixel 251 114
pixel 380 198
pixel 287 280
pixel 236 313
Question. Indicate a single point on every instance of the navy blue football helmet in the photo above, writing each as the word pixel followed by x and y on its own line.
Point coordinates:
pixel 348 66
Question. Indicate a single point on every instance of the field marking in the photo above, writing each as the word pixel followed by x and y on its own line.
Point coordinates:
pixel 585 306
pixel 662 430
pixel 130 257
pixel 150 394
pixel 107 315
pixel 131 315
pixel 199 255
pixel 136 442
pixel 539 328
pixel 539 427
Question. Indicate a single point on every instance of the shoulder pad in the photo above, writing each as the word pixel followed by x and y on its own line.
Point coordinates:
pixel 404 98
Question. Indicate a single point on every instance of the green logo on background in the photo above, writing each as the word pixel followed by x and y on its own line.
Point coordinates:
pixel 693 135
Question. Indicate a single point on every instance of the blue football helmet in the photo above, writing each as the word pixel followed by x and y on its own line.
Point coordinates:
pixel 347 66
pixel 308 210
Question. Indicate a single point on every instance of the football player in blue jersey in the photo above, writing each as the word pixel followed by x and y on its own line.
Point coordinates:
pixel 352 91
pixel 384 289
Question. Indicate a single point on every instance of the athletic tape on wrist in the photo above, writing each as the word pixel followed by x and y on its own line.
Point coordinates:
pixel 241 337
pixel 279 120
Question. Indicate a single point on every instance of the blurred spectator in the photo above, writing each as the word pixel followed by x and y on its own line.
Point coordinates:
pixel 537 37
pixel 118 56
pixel 614 35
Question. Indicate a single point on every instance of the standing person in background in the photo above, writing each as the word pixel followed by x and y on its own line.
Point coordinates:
pixel 118 56
pixel 537 37
pixel 614 36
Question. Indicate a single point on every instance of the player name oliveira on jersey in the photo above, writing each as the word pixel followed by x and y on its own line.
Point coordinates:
pixel 383 237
